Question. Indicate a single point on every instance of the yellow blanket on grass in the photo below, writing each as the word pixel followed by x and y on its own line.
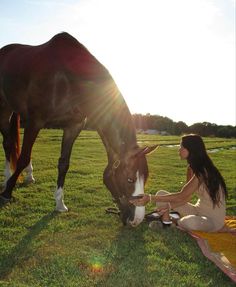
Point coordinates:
pixel 220 247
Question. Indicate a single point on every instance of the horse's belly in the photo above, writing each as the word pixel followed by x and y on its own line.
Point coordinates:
pixel 60 120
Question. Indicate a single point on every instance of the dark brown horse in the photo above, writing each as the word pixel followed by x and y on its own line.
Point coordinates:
pixel 61 84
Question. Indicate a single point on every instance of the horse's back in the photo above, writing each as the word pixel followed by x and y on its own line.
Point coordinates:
pixel 62 52
pixel 75 57
pixel 7 49
pixel 47 78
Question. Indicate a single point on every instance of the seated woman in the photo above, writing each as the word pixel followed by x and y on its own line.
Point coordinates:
pixel 204 180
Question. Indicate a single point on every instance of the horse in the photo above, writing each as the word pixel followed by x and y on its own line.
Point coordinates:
pixel 61 84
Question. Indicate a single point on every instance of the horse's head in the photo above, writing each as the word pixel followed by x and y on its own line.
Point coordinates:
pixel 126 177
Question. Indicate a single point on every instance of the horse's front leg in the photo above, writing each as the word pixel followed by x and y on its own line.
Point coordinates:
pixel 69 136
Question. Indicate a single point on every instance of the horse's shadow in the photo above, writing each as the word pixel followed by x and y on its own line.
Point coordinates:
pixel 17 255
pixel 132 246
pixel 128 247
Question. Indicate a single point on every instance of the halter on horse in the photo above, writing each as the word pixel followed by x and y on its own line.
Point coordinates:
pixel 59 83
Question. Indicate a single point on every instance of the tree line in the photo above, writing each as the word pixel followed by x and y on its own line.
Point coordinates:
pixel 166 125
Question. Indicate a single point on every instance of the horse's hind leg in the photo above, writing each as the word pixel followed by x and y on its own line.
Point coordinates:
pixel 6 147
pixel 7 141
pixel 69 136
pixel 30 135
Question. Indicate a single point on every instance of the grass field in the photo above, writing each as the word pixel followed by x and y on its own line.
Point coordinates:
pixel 87 247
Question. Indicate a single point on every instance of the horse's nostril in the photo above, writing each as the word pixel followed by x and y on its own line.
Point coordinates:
pixel 124 221
pixel 127 221
pixel 125 217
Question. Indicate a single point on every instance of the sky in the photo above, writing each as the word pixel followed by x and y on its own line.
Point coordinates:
pixel 173 58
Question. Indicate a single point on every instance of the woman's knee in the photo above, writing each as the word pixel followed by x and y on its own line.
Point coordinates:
pixel 194 222
pixel 188 222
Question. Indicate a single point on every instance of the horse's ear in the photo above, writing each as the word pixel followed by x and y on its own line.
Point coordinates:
pixel 145 150
pixel 150 149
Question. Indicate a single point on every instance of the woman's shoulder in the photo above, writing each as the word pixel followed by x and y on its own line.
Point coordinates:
pixel 193 183
pixel 189 173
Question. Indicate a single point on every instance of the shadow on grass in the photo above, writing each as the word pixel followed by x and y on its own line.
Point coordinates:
pixel 22 250
pixel 127 258
pixel 138 259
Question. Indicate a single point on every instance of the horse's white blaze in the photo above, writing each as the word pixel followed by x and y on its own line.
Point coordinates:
pixel 7 172
pixel 139 210
pixel 29 173
pixel 60 205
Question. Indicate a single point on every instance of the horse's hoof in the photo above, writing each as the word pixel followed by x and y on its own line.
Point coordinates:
pixel 61 208
pixel 62 211
pixel 29 180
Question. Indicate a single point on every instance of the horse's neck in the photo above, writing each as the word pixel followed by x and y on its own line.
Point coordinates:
pixel 117 131
pixel 115 144
pixel 109 114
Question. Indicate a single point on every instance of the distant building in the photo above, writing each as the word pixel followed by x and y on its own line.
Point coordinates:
pixel 152 132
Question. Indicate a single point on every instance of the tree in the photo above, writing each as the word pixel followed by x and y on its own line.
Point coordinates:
pixel 160 123
pixel 180 128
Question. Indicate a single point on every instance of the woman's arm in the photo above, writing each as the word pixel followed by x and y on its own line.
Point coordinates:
pixel 175 199
pixel 179 197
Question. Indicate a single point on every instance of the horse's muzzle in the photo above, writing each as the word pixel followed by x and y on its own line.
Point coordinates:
pixel 133 216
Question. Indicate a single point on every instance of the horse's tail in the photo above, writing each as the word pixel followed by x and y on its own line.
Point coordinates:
pixel 15 137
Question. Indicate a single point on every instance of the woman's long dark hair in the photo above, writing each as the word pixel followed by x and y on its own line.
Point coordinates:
pixel 203 167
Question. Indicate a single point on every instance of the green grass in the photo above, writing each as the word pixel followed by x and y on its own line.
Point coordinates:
pixel 86 246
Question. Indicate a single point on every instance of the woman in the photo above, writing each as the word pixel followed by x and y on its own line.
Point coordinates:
pixel 204 180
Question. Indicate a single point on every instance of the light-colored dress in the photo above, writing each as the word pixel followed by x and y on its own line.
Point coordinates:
pixel 203 215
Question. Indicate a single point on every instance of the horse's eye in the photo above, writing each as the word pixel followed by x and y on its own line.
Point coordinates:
pixel 130 180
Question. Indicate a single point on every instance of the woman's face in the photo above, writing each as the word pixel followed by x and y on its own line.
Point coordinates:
pixel 183 152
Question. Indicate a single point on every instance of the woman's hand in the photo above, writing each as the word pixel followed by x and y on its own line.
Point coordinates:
pixel 141 201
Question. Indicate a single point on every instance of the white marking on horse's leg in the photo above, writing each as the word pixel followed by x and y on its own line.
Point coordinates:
pixel 139 210
pixel 7 172
pixel 29 173
pixel 59 197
